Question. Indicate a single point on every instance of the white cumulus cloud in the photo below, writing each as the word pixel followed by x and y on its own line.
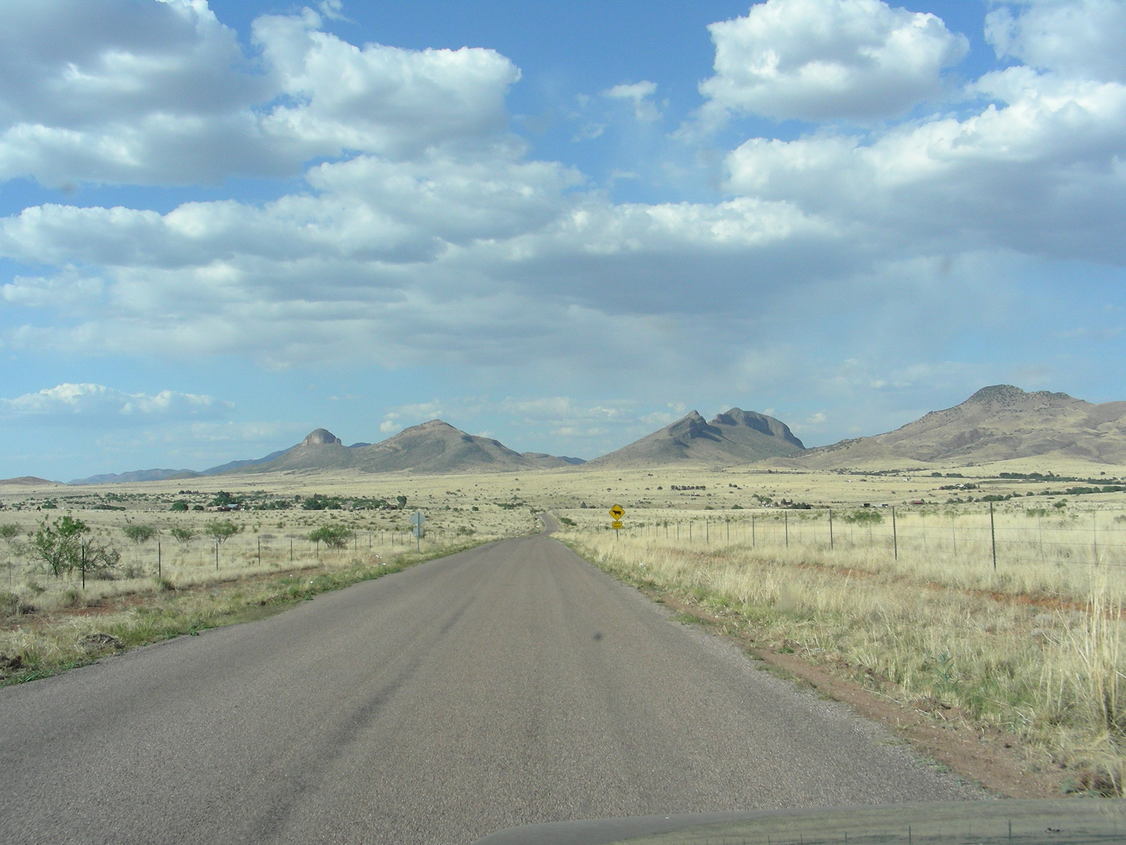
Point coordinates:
pixel 826 60
pixel 1073 37
pixel 378 98
pixel 85 401
pixel 161 93
pixel 1041 172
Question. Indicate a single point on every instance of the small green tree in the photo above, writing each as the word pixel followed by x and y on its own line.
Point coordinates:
pixel 179 506
pixel 65 545
pixel 95 556
pixel 221 530
pixel 139 532
pixel 56 543
pixel 182 533
pixel 401 500
pixel 333 536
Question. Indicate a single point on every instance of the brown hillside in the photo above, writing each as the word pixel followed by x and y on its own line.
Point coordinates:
pixel 734 437
pixel 997 423
pixel 438 447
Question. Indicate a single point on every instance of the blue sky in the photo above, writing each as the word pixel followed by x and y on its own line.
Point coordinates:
pixel 563 225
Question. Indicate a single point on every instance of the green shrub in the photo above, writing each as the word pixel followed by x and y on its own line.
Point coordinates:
pixel 333 536
pixel 865 516
pixel 139 532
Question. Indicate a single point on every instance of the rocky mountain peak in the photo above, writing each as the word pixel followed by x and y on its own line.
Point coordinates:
pixel 321 437
pixel 769 426
pixel 1009 396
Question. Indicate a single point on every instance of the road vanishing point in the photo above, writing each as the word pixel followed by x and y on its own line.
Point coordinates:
pixel 510 684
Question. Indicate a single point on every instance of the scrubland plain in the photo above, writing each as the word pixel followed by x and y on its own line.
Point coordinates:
pixel 1004 614
pixel 989 600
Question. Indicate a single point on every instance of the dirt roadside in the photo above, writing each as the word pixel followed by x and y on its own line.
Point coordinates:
pixel 992 758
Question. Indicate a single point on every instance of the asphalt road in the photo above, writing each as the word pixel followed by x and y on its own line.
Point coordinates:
pixel 509 684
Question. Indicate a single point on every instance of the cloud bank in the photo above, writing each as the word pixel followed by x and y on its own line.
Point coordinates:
pixel 410 225
pixel 82 403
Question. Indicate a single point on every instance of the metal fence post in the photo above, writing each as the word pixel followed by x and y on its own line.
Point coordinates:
pixel 993 536
pixel 894 535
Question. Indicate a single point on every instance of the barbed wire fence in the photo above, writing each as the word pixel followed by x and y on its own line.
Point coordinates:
pixel 996 537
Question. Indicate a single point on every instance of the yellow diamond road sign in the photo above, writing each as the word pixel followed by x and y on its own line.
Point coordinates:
pixel 617 511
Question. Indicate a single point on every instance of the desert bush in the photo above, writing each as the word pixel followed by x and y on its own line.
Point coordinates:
pixel 56 543
pixel 139 532
pixel 182 533
pixel 333 536
pixel 65 544
pixel 865 516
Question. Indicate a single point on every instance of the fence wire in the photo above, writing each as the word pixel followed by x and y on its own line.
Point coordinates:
pixel 1095 538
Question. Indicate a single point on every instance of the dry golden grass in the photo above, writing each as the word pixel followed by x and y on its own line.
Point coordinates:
pixel 1031 647
pixel 268 540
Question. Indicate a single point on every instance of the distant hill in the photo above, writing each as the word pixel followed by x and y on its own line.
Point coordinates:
pixel 734 437
pixel 137 475
pixel 438 447
pixel 166 474
pixel 431 447
pixel 541 460
pixel 321 449
pixel 234 466
pixel 998 423
pixel 26 481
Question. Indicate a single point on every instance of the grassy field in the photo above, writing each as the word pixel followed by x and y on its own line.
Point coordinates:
pixel 181 577
pixel 272 528
pixel 991 595
pixel 915 609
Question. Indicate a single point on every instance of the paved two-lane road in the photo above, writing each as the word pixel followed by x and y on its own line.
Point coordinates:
pixel 509 684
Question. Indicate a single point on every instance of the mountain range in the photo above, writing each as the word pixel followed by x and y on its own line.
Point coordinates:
pixel 1000 422
pixel 433 447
